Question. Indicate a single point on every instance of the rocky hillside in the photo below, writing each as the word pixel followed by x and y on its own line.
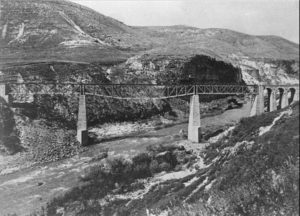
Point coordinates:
pixel 61 30
pixel 250 169
pixel 52 31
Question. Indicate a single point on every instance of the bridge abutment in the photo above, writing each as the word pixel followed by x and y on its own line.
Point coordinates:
pixel 82 133
pixel 194 128
pixel 258 102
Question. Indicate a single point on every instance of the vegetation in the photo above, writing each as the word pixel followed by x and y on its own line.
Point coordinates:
pixel 258 177
pixel 261 178
pixel 246 130
pixel 248 174
pixel 116 176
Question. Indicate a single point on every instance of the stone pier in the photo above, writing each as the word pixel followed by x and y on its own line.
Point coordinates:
pixel 194 129
pixel 258 102
pixel 273 105
pixel 284 100
pixel 3 92
pixel 296 95
pixel 82 133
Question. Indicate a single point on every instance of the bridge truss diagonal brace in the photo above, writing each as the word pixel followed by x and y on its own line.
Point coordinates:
pixel 194 128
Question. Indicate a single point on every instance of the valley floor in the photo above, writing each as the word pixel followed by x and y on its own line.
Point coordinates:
pixel 27 189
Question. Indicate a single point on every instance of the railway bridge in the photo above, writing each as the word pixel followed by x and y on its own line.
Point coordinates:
pixel 263 97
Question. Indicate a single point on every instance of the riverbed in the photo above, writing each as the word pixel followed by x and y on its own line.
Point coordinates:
pixel 26 190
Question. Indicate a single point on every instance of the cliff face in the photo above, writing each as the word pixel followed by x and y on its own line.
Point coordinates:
pixel 174 70
pixel 268 71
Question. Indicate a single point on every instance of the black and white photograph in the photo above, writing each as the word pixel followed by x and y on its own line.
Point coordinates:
pixel 149 107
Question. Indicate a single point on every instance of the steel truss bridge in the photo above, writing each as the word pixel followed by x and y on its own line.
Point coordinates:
pixel 18 88
pixel 126 91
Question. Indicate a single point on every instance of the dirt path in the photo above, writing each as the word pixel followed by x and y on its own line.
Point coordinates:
pixel 26 190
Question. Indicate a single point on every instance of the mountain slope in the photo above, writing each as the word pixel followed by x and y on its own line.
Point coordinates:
pixel 62 30
pixel 224 42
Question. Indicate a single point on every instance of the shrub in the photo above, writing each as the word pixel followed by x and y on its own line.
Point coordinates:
pixel 141 158
pixel 162 148
pixel 164 166
pixel 11 144
pixel 154 167
pixel 141 165
pixel 119 175
pixel 92 173
pixel 119 166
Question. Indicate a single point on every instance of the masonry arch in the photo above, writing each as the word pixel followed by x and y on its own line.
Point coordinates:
pixel 291 95
pixel 267 100
pixel 280 92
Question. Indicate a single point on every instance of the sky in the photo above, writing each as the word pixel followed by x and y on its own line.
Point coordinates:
pixel 256 17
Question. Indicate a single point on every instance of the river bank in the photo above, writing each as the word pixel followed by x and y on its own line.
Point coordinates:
pixel 27 189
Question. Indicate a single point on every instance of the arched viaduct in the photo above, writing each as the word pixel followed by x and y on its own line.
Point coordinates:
pixel 264 97
pixel 273 97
